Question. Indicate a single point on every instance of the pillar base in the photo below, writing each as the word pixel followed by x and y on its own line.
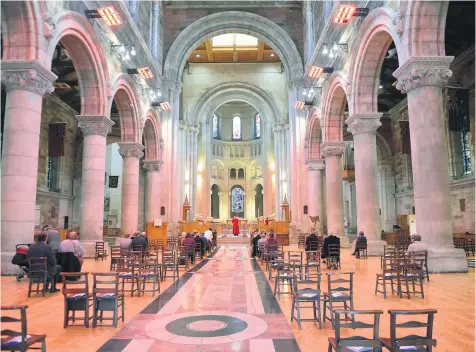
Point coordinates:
pixel 90 248
pixel 447 260
pixel 7 267
pixel 374 247
pixel 344 241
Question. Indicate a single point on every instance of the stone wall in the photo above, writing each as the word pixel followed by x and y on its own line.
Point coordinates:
pixel 226 114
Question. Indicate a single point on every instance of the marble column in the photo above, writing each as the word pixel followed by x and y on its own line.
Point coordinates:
pixel 153 189
pixel 277 167
pixel 95 130
pixel 364 128
pixel 131 154
pixel 315 198
pixel 332 153
pixel 26 83
pixel 422 79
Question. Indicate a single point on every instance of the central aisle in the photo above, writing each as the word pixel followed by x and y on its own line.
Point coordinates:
pixel 223 304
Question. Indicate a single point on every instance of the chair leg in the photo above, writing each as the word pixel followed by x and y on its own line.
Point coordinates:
pixel 86 313
pixel 43 346
pixel 29 288
pixel 384 282
pixel 66 314
pixel 319 313
pixel 298 310
pixel 292 309
pixel 95 316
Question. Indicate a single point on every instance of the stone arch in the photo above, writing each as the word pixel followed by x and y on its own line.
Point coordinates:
pixel 335 97
pixel 377 33
pixel 232 91
pixel 229 22
pixel 383 148
pixel 152 136
pixel 21 24
pixel 314 137
pixel 128 105
pixel 78 37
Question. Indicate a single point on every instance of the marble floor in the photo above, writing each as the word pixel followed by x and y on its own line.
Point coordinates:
pixel 226 304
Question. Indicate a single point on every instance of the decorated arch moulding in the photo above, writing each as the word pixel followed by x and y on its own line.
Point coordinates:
pixel 229 22
pixel 135 150
pixel 336 80
pixel 220 94
pixel 27 75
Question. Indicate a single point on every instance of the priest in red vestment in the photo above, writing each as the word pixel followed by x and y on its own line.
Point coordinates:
pixel 236 226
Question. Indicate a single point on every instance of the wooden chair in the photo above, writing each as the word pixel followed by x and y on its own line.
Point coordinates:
pixel 410 271
pixel 362 250
pixel 295 259
pixel 417 257
pixel 169 264
pixel 107 297
pixel 149 273
pixel 115 256
pixel 128 274
pixel 100 251
pixel 419 342
pixel 302 294
pixel 271 253
pixel 302 241
pixel 339 295
pixel 183 257
pixel 389 252
pixel 76 297
pixel 346 344
pixel 333 261
pixel 389 275
pixel 38 274
pixel 284 277
pixel 198 250
pixel 469 245
pixel 18 340
pixel 313 263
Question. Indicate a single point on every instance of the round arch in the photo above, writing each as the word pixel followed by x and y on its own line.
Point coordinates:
pixel 128 106
pixel 314 137
pixel 78 37
pixel 233 91
pixel 232 22
pixel 152 135
pixel 335 98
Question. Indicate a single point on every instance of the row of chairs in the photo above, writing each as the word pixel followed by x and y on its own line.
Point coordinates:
pixel 467 243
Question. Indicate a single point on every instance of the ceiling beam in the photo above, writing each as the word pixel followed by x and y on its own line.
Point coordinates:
pixel 260 51
pixel 208 45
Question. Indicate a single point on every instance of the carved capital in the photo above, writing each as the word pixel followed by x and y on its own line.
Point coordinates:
pixel 332 148
pixel 134 150
pixel 315 164
pixel 419 72
pixel 363 123
pixel 152 165
pixel 27 75
pixel 94 125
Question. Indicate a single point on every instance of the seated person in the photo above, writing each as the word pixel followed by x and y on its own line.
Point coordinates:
pixel 189 241
pixel 39 250
pixel 271 241
pixel 53 238
pixel 126 242
pixel 361 241
pixel 139 240
pixel 262 240
pixel 206 244
pixel 256 239
pixel 71 244
pixel 417 245
pixel 331 239
pixel 312 241
pixel 197 240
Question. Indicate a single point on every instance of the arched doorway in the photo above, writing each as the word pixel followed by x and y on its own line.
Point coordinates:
pixel 215 202
pixel 259 201
pixel 237 201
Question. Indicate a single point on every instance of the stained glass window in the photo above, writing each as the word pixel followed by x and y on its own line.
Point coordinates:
pixel 466 154
pixel 258 126
pixel 237 200
pixel 236 128
pixel 215 126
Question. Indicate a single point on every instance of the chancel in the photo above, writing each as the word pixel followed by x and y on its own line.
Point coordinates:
pixel 238 175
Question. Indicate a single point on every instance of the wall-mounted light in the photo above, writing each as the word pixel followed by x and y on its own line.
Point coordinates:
pixel 299 105
pixel 164 106
pixel 346 12
pixel 334 49
pixel 108 14
pixel 316 71
pixel 144 72
pixel 124 51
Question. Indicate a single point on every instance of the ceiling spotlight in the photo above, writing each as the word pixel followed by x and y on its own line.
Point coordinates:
pixel 325 51
pixel 380 86
pixel 304 93
pixel 272 54
pixel 133 51
pixel 127 57
pixel 198 55
pixel 331 54
pixel 311 92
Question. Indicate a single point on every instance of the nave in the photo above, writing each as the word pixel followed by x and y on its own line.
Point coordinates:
pixel 228 283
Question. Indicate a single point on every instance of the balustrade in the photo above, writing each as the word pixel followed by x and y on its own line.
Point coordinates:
pixel 237 150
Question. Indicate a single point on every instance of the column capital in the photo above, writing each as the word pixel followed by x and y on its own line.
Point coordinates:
pixel 315 164
pixel 94 125
pixel 173 85
pixel 131 150
pixel 332 148
pixel 152 165
pixel 419 72
pixel 363 123
pixel 27 75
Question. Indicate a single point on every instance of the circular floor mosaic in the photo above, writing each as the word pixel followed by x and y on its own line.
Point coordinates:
pixel 206 326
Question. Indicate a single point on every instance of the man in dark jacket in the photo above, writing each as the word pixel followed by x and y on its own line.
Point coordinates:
pixel 139 240
pixel 39 250
pixel 312 242
pixel 331 239
pixel 360 243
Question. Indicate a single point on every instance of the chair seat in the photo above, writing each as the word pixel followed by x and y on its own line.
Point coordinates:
pixel 307 293
pixel 105 296
pixel 77 296
pixel 21 346
pixel 339 297
pixel 333 342
pixel 387 342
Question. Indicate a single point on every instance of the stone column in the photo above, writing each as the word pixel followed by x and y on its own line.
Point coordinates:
pixel 332 153
pixel 364 127
pixel 315 168
pixel 423 78
pixel 95 130
pixel 277 167
pixel 26 83
pixel 131 153
pixel 152 193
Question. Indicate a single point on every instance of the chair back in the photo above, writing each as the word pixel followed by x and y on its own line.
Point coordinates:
pixel 389 266
pixel 314 246
pixel 312 256
pixel 115 252
pixel 334 250
pixel 75 285
pixel 38 268
pixel 105 283
pixel 307 284
pixel 9 321
pixel 340 284
pixel 358 341
pixel 295 256
pixel 425 321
